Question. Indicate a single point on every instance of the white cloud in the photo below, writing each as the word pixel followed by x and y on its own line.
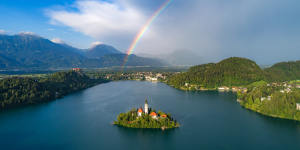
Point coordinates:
pixel 99 18
pixel 2 31
pixel 213 29
pixel 96 43
pixel 26 33
pixel 58 41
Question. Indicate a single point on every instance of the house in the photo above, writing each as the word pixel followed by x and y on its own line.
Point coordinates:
pixel 153 79
pixel 140 111
pixel 163 116
pixel 245 90
pixel 262 99
pixel 223 88
pixel 298 106
pixel 153 115
pixel 234 89
pixel 186 84
pixel 288 90
pixel 76 69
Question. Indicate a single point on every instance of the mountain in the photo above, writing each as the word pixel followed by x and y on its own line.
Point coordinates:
pixel 31 51
pixel 133 60
pixel 28 51
pixel 284 71
pixel 101 50
pixel 233 71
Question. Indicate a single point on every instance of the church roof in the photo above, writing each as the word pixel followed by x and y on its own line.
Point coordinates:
pixel 153 114
pixel 164 115
pixel 140 110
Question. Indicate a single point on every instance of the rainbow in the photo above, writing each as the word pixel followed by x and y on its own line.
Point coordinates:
pixel 140 34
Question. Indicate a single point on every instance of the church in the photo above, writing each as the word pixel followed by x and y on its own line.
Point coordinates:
pixel 146 111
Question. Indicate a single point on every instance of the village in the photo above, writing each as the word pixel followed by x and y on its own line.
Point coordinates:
pixel 139 76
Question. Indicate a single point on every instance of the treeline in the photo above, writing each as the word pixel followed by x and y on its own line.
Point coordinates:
pixel 270 101
pixel 284 71
pixel 235 71
pixel 230 72
pixel 18 91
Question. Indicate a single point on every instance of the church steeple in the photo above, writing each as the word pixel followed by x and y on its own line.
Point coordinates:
pixel 146 107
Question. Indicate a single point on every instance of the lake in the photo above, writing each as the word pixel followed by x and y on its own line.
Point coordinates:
pixel 209 120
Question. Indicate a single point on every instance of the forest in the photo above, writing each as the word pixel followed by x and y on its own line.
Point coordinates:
pixel 17 91
pixel 272 101
pixel 235 71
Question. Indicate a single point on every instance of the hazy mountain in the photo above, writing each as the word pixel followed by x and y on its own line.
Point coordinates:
pixel 133 60
pixel 32 51
pixel 178 58
pixel 100 50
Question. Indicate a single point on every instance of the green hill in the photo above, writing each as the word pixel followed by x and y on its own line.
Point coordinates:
pixel 233 71
pixel 284 71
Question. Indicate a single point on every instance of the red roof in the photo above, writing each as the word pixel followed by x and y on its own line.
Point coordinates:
pixel 140 110
pixel 164 116
pixel 153 114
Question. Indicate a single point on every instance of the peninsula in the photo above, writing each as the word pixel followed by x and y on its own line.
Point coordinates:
pixel 147 118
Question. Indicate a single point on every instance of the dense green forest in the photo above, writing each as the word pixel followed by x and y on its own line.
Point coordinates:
pixel 130 119
pixel 272 101
pixel 284 71
pixel 235 71
pixel 29 90
pixel 229 72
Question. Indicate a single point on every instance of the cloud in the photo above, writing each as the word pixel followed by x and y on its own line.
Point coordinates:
pixel 57 40
pixel 26 33
pixel 99 18
pixel 96 43
pixel 266 31
pixel 2 31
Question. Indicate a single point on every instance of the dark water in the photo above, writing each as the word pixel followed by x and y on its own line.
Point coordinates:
pixel 210 120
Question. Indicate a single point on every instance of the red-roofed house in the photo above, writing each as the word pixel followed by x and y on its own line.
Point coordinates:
pixel 140 111
pixel 164 116
pixel 153 115
pixel 76 69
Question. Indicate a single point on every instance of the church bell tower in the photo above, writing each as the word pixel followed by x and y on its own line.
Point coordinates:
pixel 146 107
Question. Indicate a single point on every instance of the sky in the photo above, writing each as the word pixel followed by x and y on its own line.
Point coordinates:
pixel 265 31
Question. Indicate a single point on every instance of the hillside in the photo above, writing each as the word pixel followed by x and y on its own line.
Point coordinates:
pixel 133 60
pixel 101 50
pixel 19 91
pixel 233 71
pixel 284 71
pixel 28 51
pixel 31 51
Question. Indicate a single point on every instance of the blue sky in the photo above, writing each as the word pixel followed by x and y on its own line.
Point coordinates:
pixel 266 31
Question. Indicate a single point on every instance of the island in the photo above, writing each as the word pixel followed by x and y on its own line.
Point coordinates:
pixel 146 118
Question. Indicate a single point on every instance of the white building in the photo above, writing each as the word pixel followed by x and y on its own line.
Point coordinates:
pixel 146 107
pixel 140 111
pixel 298 106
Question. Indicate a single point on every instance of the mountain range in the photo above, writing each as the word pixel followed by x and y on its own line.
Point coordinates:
pixel 23 51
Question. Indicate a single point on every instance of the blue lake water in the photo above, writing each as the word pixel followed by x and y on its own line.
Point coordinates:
pixel 209 120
